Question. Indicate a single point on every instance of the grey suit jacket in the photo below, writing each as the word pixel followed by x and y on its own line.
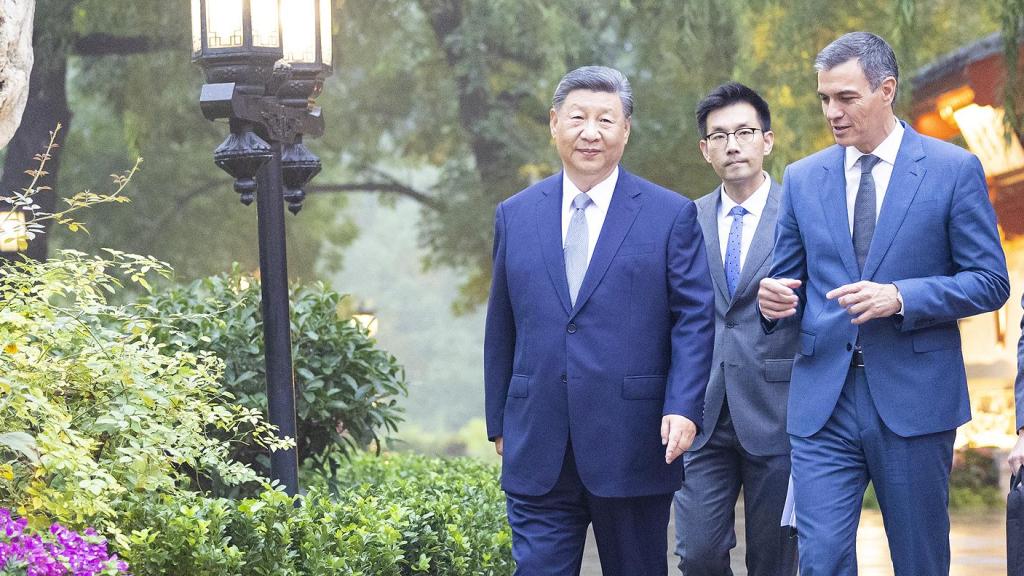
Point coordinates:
pixel 752 368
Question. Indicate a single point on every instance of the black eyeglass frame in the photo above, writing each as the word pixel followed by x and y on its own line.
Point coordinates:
pixel 718 139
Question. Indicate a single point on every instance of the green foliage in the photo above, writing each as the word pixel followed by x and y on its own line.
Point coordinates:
pixel 392 515
pixel 347 389
pixel 91 407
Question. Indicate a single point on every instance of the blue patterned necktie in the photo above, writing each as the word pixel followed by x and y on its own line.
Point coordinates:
pixel 864 210
pixel 575 249
pixel 732 250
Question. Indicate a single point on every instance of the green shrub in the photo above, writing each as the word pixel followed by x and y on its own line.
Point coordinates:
pixel 347 389
pixel 392 515
pixel 91 407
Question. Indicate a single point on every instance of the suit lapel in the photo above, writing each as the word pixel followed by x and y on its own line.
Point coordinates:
pixel 833 200
pixel 549 233
pixel 763 241
pixel 707 216
pixel 907 174
pixel 622 212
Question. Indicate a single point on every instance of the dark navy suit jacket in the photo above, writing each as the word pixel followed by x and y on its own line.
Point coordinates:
pixel 600 375
pixel 936 240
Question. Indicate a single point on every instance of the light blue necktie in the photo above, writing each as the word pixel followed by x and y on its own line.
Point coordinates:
pixel 732 250
pixel 575 249
pixel 864 210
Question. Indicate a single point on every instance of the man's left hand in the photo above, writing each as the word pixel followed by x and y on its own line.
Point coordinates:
pixel 867 300
pixel 677 433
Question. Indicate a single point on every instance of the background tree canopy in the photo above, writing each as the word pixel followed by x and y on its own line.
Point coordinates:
pixel 439 108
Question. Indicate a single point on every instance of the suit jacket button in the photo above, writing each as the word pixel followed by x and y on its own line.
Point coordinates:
pixel 571 328
pixel 849 346
pixel 564 379
pixel 730 324
pixel 722 364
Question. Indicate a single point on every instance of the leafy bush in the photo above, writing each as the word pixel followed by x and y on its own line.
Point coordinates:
pixel 91 407
pixel 392 515
pixel 56 552
pixel 347 389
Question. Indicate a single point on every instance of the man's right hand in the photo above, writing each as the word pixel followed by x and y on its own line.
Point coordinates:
pixel 1016 458
pixel 776 297
pixel 499 445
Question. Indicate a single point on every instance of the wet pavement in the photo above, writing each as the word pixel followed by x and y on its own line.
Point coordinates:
pixel 978 542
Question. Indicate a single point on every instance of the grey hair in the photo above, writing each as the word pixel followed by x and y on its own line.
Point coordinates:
pixel 874 54
pixel 596 79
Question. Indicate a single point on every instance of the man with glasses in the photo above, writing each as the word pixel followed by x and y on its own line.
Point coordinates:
pixel 743 443
pixel 884 241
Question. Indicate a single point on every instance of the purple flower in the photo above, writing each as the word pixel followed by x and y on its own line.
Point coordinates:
pixel 58 552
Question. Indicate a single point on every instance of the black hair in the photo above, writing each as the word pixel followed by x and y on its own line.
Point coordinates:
pixel 726 95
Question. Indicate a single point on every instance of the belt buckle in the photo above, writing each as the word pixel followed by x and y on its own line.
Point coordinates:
pixel 857 360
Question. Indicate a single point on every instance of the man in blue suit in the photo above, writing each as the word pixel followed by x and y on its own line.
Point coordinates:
pixel 884 241
pixel 598 345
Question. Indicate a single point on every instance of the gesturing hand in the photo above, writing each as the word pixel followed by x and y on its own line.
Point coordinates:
pixel 776 297
pixel 867 300
pixel 677 433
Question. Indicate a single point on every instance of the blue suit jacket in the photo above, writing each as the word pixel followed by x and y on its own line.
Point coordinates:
pixel 636 346
pixel 936 240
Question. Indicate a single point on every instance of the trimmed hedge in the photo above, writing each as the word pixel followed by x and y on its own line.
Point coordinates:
pixel 389 515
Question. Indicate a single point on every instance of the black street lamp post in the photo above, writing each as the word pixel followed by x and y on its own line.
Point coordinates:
pixel 265 62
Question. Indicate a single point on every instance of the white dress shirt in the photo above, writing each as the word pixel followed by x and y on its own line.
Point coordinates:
pixel 882 172
pixel 601 196
pixel 754 206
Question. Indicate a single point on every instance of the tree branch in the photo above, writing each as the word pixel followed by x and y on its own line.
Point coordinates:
pixel 101 44
pixel 381 188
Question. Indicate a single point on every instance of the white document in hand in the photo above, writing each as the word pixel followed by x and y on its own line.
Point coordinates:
pixel 789 509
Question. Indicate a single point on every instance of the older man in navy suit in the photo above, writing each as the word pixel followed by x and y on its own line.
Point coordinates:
pixel 598 345
pixel 884 241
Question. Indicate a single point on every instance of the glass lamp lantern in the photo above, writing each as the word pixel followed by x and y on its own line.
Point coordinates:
pixel 307 48
pixel 237 40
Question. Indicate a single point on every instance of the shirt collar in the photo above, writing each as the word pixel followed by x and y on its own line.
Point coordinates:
pixel 600 194
pixel 886 151
pixel 754 204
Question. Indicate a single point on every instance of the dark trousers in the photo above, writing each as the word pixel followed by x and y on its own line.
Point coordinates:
pixel 549 531
pixel 831 470
pixel 705 507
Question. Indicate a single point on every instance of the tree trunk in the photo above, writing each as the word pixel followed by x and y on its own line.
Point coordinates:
pixel 15 63
pixel 47 106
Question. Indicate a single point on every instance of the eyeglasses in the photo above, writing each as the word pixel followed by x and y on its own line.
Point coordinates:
pixel 720 139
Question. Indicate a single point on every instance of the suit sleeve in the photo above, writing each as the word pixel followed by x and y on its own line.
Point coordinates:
pixel 978 281
pixel 692 304
pixel 789 258
pixel 499 336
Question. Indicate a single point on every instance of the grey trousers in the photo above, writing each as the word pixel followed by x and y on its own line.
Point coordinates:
pixel 705 507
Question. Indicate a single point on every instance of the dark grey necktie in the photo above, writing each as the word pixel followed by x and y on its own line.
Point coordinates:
pixel 864 210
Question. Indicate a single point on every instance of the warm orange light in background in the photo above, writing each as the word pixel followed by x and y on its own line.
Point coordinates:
pixel 951 101
pixel 931 124
pixel 986 135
